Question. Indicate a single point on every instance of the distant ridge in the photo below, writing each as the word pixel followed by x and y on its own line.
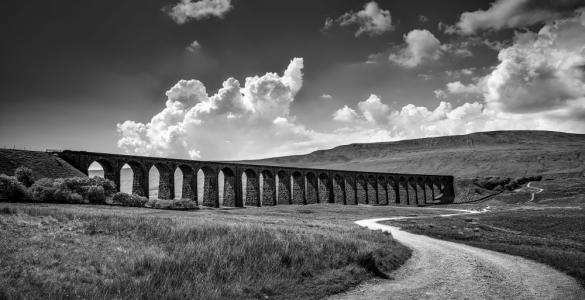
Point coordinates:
pixel 498 153
pixel 43 164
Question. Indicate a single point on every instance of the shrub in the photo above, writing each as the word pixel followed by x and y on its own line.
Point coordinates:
pixel 129 200
pixel 24 175
pixel 182 204
pixel 95 194
pixel 56 190
pixel 43 190
pixel 12 189
pixel 81 185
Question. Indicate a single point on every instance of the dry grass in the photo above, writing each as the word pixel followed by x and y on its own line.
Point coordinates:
pixel 72 251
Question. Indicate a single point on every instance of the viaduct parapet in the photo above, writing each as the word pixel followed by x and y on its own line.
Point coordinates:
pixel 269 185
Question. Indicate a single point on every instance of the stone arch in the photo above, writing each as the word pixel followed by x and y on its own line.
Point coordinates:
pixel 251 188
pixel 411 191
pixel 228 194
pixel 403 191
pixel 188 186
pixel 208 190
pixel 101 168
pixel 311 190
pixel 392 189
pixel 372 189
pixel 382 191
pixel 338 189
pixel 325 195
pixel 139 177
pixel 268 189
pixel 283 190
pixel 165 187
pixel 420 191
pixel 360 190
pixel 350 190
pixel 298 188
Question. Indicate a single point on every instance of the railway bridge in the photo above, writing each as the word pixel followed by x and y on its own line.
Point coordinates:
pixel 266 185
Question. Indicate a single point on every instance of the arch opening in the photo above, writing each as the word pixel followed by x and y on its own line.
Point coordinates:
pixel 126 179
pixel 95 169
pixel 134 179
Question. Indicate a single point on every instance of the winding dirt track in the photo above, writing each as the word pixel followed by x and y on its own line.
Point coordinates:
pixel 446 270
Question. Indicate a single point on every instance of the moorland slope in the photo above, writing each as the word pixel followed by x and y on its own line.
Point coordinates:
pixel 495 153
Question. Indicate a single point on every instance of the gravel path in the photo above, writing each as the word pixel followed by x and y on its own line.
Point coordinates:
pixel 446 270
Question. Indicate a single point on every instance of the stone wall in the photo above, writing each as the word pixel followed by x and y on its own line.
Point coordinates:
pixel 350 191
pixel 371 189
pixel 298 189
pixel 311 192
pixel 229 189
pixel 412 192
pixel 392 190
pixel 284 183
pixel 252 189
pixel 324 189
pixel 268 189
pixel 382 193
pixel 360 187
pixel 338 190
pixel 403 192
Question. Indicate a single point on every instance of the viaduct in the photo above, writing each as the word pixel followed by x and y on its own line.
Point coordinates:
pixel 269 185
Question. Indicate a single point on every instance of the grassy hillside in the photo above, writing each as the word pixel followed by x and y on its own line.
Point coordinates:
pixel 496 153
pixel 43 164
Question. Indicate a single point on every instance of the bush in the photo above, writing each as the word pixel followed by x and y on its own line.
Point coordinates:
pixel 81 185
pixel 129 200
pixel 43 190
pixel 182 204
pixel 61 190
pixel 11 189
pixel 24 175
pixel 95 194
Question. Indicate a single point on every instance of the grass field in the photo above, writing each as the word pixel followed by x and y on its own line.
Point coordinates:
pixel 82 251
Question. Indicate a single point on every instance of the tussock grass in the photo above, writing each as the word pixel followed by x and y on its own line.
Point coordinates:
pixel 55 253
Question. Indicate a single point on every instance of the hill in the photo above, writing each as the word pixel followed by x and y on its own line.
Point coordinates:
pixel 495 153
pixel 43 164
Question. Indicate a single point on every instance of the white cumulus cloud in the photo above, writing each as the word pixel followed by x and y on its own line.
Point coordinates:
pixel 253 117
pixel 420 46
pixel 513 14
pixel 371 20
pixel 187 10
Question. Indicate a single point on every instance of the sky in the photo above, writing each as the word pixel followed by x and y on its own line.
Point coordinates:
pixel 245 79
